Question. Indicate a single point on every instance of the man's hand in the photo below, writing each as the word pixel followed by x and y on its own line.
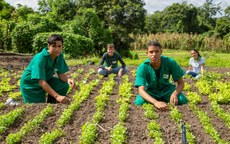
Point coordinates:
pixel 120 72
pixel 71 83
pixel 173 99
pixel 62 99
pixel 109 68
pixel 161 105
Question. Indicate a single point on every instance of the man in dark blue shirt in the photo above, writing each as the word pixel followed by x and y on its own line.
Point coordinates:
pixel 111 59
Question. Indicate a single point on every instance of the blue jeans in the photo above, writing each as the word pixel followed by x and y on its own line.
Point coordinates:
pixel 193 74
pixel 104 72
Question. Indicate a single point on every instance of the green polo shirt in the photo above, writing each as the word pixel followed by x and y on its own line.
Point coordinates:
pixel 41 67
pixel 158 87
pixel 112 60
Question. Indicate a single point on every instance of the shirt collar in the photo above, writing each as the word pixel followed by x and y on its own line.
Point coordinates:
pixel 198 59
pixel 147 61
pixel 45 52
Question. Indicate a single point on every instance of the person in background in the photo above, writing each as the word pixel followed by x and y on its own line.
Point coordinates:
pixel 196 64
pixel 46 74
pixel 111 59
pixel 152 79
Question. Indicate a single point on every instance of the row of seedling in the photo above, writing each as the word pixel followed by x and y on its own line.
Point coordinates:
pixel 118 134
pixel 205 83
pixel 221 113
pixel 89 129
pixel 5 85
pixel 67 114
pixel 204 119
pixel 30 126
pixel 154 130
pixel 9 118
pixel 187 136
pixel 221 96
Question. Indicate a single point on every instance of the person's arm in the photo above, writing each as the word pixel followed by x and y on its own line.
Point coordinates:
pixel 103 58
pixel 159 104
pixel 190 67
pixel 122 67
pixel 64 78
pixel 178 90
pixel 202 69
pixel 120 72
pixel 190 64
pixel 46 87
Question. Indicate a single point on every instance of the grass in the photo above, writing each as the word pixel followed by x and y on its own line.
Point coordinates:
pixel 213 59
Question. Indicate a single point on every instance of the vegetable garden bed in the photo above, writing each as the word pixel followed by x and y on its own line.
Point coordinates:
pixel 136 123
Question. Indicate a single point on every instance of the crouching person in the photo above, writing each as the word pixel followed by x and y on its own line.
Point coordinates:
pixel 196 65
pixel 111 59
pixel 153 76
pixel 39 77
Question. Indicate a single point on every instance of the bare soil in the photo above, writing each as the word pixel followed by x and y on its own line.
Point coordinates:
pixel 136 122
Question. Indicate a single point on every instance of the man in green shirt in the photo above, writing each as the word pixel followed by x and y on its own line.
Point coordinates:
pixel 111 59
pixel 152 79
pixel 46 74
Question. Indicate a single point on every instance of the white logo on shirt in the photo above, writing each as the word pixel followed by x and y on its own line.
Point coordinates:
pixel 55 73
pixel 196 64
pixel 165 76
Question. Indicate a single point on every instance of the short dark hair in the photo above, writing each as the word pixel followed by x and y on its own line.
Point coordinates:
pixel 111 45
pixel 53 38
pixel 153 43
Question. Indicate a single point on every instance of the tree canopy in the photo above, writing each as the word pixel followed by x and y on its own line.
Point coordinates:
pixel 105 21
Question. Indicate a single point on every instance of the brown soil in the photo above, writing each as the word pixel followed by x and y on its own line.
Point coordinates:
pixel 136 122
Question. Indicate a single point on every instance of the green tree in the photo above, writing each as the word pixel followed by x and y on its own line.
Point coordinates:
pixel 180 18
pixel 122 17
pixel 58 10
pixel 153 22
pixel 223 26
pixel 5 10
pixel 206 13
pixel 22 37
pixel 21 12
pixel 1 36
pixel 6 27
pixel 227 11
pixel 24 32
pixel 44 6
pixel 75 46
pixel 87 23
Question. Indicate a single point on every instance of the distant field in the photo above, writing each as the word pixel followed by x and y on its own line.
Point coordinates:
pixel 182 57
pixel 219 60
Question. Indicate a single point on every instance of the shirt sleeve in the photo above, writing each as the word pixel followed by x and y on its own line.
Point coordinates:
pixel 202 60
pixel 63 66
pixel 176 71
pixel 38 69
pixel 121 61
pixel 190 61
pixel 141 76
pixel 102 59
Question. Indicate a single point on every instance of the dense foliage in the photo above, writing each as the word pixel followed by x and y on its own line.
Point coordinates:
pixel 74 45
pixel 105 21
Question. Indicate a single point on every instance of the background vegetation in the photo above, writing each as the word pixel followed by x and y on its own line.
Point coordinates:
pixel 212 59
pixel 89 25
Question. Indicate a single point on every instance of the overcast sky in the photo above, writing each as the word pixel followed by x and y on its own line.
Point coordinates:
pixel 151 5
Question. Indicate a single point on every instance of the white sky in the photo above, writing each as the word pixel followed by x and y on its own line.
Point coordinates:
pixel 151 5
